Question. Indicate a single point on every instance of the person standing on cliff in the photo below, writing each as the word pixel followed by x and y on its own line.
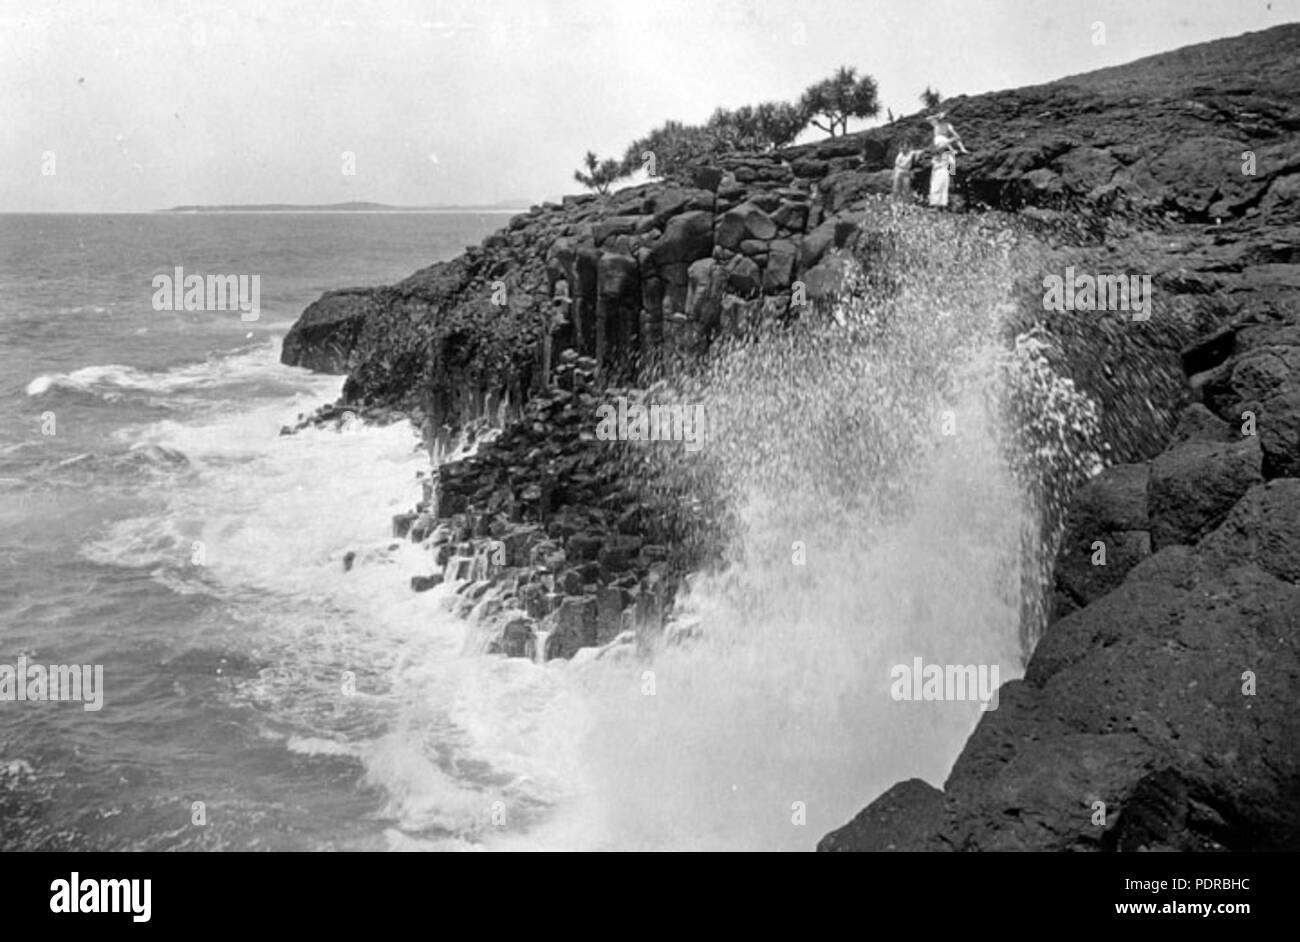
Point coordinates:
pixel 941 170
pixel 904 163
pixel 945 135
pixel 944 165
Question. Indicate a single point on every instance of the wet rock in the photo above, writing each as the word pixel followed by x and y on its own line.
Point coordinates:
pixel 425 583
pixel 609 613
pixel 422 528
pixel 517 637
pixel 573 625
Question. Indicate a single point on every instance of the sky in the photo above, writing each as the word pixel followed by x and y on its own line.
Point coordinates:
pixel 140 105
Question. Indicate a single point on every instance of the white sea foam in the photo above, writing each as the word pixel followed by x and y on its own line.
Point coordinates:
pixel 112 380
pixel 467 750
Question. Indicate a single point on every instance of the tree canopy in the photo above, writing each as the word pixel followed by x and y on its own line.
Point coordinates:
pixel 672 148
pixel 600 175
pixel 830 103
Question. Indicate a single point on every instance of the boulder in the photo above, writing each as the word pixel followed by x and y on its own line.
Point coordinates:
pixel 780 265
pixel 791 216
pixel 704 294
pixel 618 225
pixel 1194 484
pixel 744 275
pixel 687 237
pixel 745 221
pixel 425 583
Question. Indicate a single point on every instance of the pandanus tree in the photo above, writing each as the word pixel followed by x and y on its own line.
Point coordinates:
pixel 600 175
pixel 830 103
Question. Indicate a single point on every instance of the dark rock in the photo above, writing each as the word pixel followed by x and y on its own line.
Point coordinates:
pixel 583 546
pixel 570 582
pixel 619 552
pixel 609 613
pixel 780 265
pixel 1264 528
pixel 1195 484
pixel 1198 423
pixel 686 237
pixel 904 818
pixel 706 178
pixel 323 338
pixel 517 637
pixel 745 221
pixel 792 216
pixel 743 275
pixel 1278 427
pixel 617 225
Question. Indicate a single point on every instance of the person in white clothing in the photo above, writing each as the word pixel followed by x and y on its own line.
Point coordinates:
pixel 905 161
pixel 944 165
pixel 941 171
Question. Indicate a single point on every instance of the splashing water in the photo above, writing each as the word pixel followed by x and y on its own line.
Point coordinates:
pixel 878 464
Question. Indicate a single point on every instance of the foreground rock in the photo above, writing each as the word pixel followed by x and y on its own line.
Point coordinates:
pixel 1159 712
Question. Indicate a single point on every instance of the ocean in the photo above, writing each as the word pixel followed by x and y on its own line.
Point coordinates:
pixel 154 522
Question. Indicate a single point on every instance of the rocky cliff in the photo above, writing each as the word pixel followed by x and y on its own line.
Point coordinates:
pixel 1183 167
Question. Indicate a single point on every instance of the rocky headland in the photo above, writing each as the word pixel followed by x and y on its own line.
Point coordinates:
pixel 1161 684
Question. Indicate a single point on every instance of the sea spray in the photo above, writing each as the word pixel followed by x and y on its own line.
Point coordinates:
pixel 879 513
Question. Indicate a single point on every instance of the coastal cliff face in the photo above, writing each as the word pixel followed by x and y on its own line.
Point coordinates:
pixel 1184 167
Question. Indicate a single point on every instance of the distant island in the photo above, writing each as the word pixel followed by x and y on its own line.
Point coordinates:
pixel 354 207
